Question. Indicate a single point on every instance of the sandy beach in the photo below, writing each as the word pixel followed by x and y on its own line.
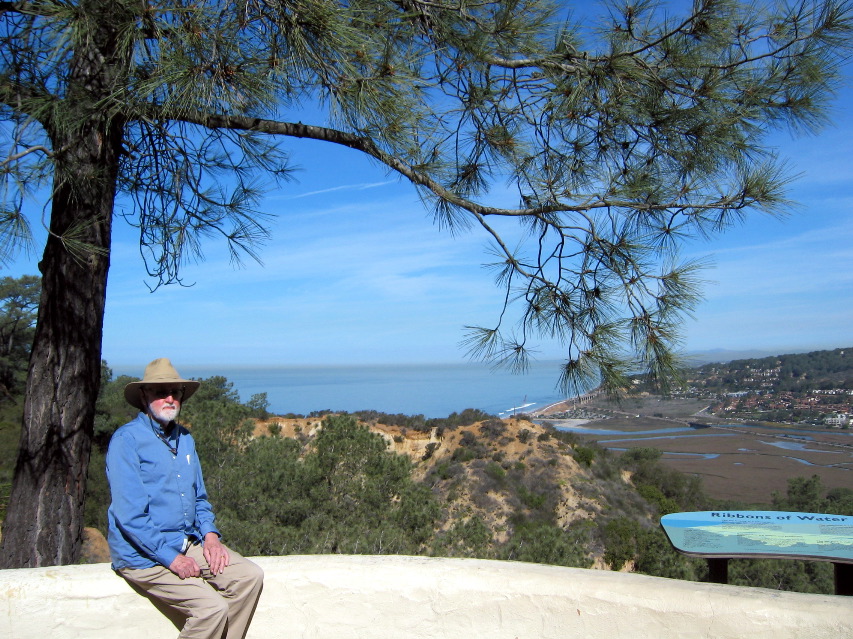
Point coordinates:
pixel 567 423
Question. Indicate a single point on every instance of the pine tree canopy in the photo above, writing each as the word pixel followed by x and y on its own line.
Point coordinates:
pixel 620 136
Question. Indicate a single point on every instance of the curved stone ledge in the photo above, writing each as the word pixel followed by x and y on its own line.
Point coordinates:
pixel 379 597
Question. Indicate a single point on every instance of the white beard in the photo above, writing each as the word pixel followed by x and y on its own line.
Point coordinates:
pixel 166 413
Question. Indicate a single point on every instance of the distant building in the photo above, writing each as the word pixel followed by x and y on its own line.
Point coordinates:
pixel 838 420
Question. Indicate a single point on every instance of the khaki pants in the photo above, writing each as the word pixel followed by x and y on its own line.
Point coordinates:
pixel 214 606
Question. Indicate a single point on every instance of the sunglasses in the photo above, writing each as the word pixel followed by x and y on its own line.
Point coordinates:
pixel 163 393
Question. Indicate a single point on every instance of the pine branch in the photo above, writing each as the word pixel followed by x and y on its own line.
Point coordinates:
pixel 33 149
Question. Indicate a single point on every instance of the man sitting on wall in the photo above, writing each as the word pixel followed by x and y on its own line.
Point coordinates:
pixel 162 535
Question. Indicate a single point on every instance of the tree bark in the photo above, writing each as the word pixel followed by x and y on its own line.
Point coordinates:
pixel 44 519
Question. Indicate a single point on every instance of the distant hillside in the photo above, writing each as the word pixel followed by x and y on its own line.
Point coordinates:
pixel 814 389
pixel 818 370
pixel 722 355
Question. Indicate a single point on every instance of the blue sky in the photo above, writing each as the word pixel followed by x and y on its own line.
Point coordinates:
pixel 356 272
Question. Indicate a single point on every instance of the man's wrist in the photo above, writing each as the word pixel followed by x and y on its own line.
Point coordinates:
pixel 168 562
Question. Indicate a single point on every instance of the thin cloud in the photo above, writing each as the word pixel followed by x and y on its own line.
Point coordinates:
pixel 334 189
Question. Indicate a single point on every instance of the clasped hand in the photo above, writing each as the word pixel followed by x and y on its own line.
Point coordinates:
pixel 215 554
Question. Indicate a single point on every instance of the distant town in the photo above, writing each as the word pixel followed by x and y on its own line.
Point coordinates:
pixel 809 388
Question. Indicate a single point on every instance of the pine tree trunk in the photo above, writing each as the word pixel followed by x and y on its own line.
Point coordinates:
pixel 44 519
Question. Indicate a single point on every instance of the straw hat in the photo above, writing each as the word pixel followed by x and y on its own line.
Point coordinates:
pixel 159 372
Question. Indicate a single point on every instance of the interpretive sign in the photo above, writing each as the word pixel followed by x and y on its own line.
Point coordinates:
pixel 761 533
pixel 723 535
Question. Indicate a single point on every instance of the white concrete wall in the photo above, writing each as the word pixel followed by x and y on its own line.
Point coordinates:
pixel 358 597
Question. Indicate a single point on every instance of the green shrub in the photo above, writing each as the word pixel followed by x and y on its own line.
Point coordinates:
pixel 548 544
pixel 620 540
pixel 495 471
pixel 584 455
pixel 653 495
pixel 463 454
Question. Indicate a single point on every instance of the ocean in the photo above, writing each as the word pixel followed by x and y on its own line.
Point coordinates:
pixel 431 390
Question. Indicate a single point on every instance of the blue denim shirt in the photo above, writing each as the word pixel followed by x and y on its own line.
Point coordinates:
pixel 158 498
